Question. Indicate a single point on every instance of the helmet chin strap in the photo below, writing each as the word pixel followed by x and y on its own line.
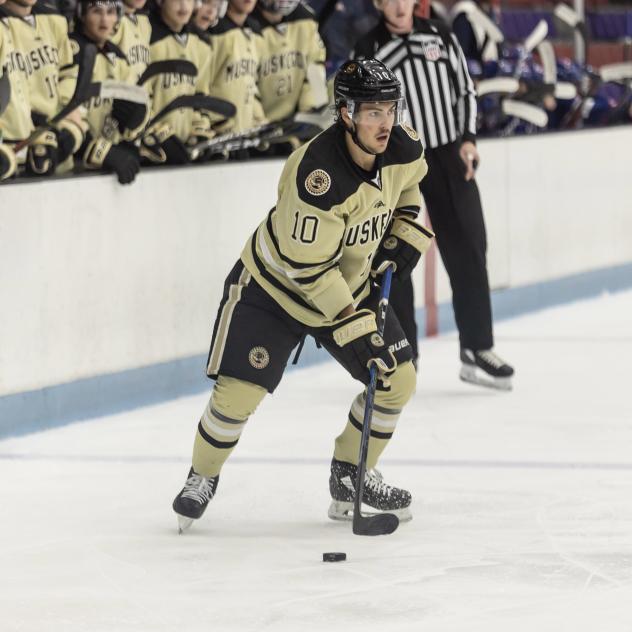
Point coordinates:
pixel 354 137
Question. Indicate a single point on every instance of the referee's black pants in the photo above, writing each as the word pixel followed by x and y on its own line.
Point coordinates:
pixel 455 210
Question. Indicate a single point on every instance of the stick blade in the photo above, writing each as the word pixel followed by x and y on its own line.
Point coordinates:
pixel 381 524
pixel 538 35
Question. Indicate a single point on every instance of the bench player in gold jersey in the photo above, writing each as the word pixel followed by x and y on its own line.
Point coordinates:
pixel 292 66
pixel 44 54
pixel 112 123
pixel 172 38
pixel 235 55
pixel 347 203
pixel 15 121
pixel 132 36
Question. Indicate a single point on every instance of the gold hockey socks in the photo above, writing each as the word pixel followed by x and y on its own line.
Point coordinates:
pixel 232 402
pixel 386 410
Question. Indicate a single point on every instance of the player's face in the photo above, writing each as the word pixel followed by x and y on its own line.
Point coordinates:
pixel 177 12
pixel 207 14
pixel 398 12
pixel 374 122
pixel 99 22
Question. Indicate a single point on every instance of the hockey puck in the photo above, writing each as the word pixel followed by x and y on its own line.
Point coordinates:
pixel 334 557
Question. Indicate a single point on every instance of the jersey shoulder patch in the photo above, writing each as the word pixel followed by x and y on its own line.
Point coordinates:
pixel 404 146
pixel 323 176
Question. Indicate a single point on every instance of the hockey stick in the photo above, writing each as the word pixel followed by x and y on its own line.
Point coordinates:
pixel 118 90
pixel 5 92
pixel 167 66
pixel 480 19
pixel 81 94
pixel 617 73
pixel 571 18
pixel 502 85
pixel 196 102
pixel 384 523
pixel 537 36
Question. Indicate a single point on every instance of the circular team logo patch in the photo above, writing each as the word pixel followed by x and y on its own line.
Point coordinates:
pixel 259 357
pixel 410 131
pixel 318 182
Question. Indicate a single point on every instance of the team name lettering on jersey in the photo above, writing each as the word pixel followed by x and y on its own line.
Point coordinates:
pixel 371 229
pixel 138 54
pixel 176 79
pixel 240 68
pixel 282 61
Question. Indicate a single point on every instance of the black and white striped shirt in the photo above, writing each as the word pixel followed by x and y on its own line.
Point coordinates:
pixel 430 64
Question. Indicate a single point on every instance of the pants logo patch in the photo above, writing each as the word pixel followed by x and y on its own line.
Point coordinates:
pixel 259 357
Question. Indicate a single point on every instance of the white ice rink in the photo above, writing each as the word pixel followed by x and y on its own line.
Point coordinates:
pixel 522 504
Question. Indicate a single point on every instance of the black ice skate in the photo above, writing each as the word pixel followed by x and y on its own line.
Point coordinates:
pixel 191 502
pixel 377 496
pixel 485 368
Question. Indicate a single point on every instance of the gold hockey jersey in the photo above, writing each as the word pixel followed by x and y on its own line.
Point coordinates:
pixel 133 37
pixel 290 48
pixel 46 58
pixel 15 121
pixel 165 44
pixel 235 54
pixel 314 250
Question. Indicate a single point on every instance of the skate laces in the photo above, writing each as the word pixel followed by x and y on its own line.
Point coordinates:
pixel 373 481
pixel 198 488
pixel 491 358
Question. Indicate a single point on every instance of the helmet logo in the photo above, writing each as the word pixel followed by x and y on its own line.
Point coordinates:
pixel 318 182
pixel 350 68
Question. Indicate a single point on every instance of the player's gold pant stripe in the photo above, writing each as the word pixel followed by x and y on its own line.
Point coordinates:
pixel 383 419
pixel 234 295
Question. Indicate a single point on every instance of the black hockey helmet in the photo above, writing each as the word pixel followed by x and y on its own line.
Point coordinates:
pixel 83 6
pixel 365 80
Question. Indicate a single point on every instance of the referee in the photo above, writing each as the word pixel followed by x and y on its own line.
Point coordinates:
pixel 441 98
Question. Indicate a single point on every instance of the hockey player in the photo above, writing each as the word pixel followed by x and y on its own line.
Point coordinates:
pixel 292 65
pixel 15 121
pixel 237 46
pixel 41 37
pixel 440 94
pixel 132 36
pixel 112 123
pixel 206 15
pixel 307 270
pixel 172 38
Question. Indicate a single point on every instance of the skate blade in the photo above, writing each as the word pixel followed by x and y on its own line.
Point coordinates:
pixel 474 375
pixel 340 510
pixel 183 523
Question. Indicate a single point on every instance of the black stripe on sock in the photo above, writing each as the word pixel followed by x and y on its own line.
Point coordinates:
pixel 374 433
pixel 214 442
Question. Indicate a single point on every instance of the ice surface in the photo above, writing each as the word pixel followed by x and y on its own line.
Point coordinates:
pixel 522 504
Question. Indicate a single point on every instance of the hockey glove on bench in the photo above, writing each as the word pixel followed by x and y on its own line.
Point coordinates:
pixel 358 333
pixel 403 246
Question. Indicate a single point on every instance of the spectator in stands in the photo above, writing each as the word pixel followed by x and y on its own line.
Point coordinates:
pixel 15 119
pixel 236 52
pixel 171 38
pixel 132 36
pixel 41 37
pixel 292 66
pixel 111 123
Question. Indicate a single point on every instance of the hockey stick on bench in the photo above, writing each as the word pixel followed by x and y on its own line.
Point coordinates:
pixel 196 102
pixel 384 523
pixel 81 94
pixel 168 66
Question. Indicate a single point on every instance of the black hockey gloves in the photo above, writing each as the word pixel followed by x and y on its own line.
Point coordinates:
pixel 123 159
pixel 357 334
pixel 403 245
pixel 128 114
